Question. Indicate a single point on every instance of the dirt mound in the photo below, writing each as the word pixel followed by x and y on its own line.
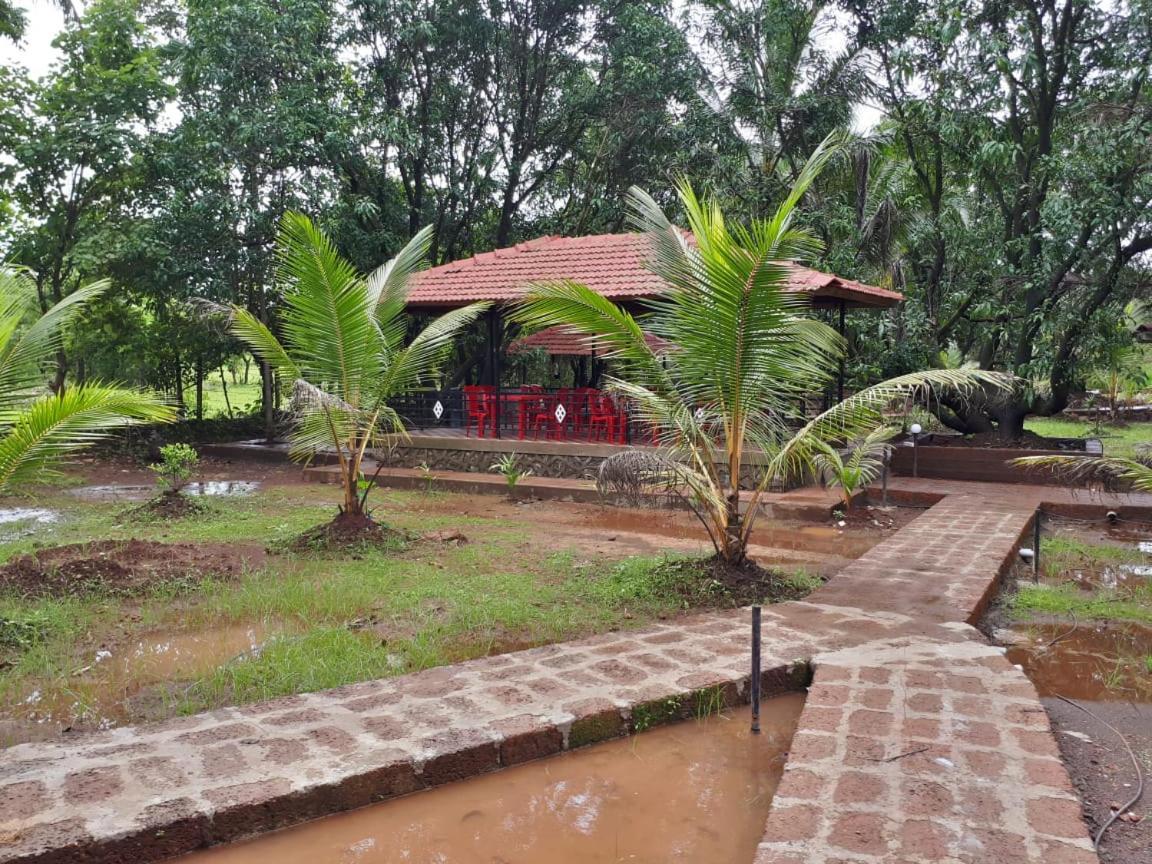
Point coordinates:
pixel 704 583
pixel 348 534
pixel 123 566
pixel 170 505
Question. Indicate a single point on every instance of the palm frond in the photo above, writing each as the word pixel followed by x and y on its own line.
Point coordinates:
pixel 328 324
pixel 388 285
pixel 57 424
pixel 409 366
pixel 255 333
pixel 1104 472
pixel 24 350
pixel 862 412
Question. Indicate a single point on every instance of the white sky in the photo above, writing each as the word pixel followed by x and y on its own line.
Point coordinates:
pixel 45 20
pixel 36 53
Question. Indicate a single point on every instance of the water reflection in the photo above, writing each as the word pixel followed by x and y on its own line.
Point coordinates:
pixel 694 792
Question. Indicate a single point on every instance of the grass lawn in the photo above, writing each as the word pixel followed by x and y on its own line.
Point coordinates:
pixel 1117 440
pixel 243 398
pixel 1088 623
pixel 301 621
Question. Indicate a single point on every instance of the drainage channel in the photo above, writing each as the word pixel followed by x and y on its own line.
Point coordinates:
pixel 695 791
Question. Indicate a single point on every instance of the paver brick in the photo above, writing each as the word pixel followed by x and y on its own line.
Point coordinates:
pixel 930 745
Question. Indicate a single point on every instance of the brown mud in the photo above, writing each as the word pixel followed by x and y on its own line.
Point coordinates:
pixel 124 567
pixel 697 791
pixel 347 533
pixel 1103 775
pixel 126 682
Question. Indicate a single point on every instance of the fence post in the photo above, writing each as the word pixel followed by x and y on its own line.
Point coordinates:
pixel 756 670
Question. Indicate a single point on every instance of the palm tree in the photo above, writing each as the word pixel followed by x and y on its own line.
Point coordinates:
pixel 1109 472
pixel 856 467
pixel 39 427
pixel 742 360
pixel 343 347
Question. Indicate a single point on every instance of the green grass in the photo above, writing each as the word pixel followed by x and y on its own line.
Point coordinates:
pixel 1069 600
pixel 424 605
pixel 243 397
pixel 1117 440
pixel 1060 555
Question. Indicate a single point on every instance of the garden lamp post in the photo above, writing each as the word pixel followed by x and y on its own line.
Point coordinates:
pixel 916 429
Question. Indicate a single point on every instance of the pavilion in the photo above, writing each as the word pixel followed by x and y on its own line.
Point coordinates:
pixel 614 266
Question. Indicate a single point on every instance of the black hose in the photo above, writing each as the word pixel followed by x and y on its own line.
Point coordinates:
pixel 1135 764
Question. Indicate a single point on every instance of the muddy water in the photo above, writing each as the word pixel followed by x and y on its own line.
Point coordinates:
pixel 17 522
pixel 141 492
pixel 695 792
pixel 824 539
pixel 100 692
pixel 1089 661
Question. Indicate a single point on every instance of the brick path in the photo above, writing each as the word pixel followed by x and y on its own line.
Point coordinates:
pixel 896 669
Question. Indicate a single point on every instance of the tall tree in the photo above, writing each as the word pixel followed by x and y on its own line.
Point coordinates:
pixel 78 148
pixel 1035 118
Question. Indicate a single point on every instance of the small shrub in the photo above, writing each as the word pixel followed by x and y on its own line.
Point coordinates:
pixel 176 466
pixel 509 467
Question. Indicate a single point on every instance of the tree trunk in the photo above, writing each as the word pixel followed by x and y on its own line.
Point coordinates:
pixel 268 400
pixel 199 389
pixel 224 387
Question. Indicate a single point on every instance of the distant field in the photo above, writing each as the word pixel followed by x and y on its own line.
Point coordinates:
pixel 242 397
pixel 1117 440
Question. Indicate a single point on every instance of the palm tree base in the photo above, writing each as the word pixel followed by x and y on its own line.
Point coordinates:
pixel 348 531
pixel 169 505
pixel 716 582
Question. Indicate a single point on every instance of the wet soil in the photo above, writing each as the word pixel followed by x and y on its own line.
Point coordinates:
pixel 128 681
pixel 711 583
pixel 1103 774
pixel 348 534
pixel 170 505
pixel 612 533
pixel 694 792
pixel 218 476
pixel 124 567
pixel 1026 441
pixel 1103 666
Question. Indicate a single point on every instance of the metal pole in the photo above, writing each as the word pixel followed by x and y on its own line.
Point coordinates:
pixel 884 479
pixel 840 373
pixel 756 670
pixel 915 455
pixel 1036 546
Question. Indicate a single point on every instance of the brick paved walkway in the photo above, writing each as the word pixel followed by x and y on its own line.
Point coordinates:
pixel 896 670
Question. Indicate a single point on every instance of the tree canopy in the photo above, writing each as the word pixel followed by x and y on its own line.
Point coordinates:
pixel 1001 180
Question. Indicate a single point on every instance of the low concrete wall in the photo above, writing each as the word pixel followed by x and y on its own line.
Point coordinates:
pixel 984 464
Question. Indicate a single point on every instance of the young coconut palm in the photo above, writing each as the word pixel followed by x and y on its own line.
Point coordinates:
pixel 1109 472
pixel 343 347
pixel 39 427
pixel 855 468
pixel 741 360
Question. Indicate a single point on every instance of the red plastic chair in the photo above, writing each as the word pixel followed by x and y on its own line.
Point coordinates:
pixel 477 408
pixel 602 417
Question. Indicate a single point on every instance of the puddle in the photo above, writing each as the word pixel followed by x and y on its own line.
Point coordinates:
pixel 142 492
pixel 693 792
pixel 1096 662
pixel 767 532
pixel 19 522
pixel 100 691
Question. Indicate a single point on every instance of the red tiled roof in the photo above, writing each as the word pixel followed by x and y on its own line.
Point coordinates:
pixel 611 264
pixel 559 341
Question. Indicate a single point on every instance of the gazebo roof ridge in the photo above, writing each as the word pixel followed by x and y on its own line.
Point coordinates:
pixel 614 265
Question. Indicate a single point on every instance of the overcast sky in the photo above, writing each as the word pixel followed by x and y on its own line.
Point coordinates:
pixel 45 20
pixel 36 51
